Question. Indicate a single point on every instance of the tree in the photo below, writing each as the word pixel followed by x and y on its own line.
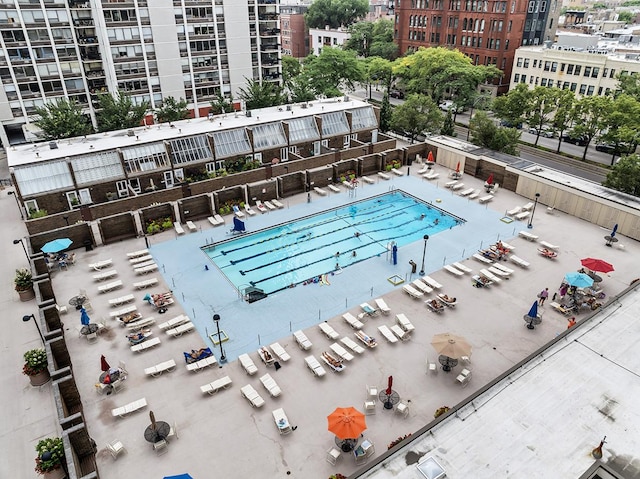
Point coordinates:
pixel 563 118
pixel 448 128
pixel 439 71
pixel 172 110
pixel 625 176
pixel 62 119
pixel 332 69
pixel 221 104
pixel 117 112
pixel 623 125
pixel 301 89
pixel 512 107
pixel 360 39
pixel 484 132
pixel 541 108
pixel 385 113
pixel 335 13
pixel 291 68
pixel 590 115
pixel 417 115
pixel 377 70
pixel 261 94
pixel 629 85
pixel 625 16
pixel 373 39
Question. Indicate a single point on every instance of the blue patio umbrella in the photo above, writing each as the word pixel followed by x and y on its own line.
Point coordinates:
pixel 84 317
pixel 56 245
pixel 615 228
pixel 532 317
pixel 179 476
pixel 579 280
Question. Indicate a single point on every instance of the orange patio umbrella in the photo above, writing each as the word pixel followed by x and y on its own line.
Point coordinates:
pixel 346 422
pixel 430 157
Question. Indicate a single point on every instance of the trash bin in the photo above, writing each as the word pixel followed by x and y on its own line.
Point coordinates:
pixel 88 244
pixel 414 266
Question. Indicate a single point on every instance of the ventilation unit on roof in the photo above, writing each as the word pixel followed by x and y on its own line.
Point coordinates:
pixel 53 145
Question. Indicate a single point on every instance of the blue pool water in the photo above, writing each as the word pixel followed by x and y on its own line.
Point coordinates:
pixel 309 249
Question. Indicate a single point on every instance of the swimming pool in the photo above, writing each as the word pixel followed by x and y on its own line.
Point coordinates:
pixel 309 249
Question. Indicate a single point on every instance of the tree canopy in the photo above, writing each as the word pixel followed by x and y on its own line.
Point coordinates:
pixel 590 115
pixel 261 94
pixel 436 71
pixel 335 13
pixel 118 112
pixel 625 175
pixel 332 69
pixel 418 114
pixel 484 132
pixel 172 110
pixel 62 119
pixel 373 39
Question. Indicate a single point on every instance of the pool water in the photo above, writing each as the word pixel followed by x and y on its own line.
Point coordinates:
pixel 312 248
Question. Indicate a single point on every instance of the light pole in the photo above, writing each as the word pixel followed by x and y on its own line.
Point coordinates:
pixel 216 319
pixel 16 241
pixel 533 212
pixel 13 193
pixel 26 320
pixel 424 252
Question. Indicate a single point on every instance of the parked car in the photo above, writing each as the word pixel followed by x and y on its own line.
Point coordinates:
pixel 508 124
pixel 545 133
pixel 619 150
pixel 448 105
pixel 396 94
pixel 570 137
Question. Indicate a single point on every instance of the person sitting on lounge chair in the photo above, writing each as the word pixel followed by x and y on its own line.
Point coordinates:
pixel 334 362
pixel 435 304
pixel 446 298
pixel 136 337
pixel 266 354
pixel 200 353
pixel 547 253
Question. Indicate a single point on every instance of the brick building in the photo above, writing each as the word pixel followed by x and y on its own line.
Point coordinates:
pixel 294 33
pixel 488 31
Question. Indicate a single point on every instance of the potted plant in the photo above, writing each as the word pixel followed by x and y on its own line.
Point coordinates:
pixel 24 284
pixel 50 458
pixel 35 366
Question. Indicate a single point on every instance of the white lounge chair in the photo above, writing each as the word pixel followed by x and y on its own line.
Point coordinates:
pixel 397 172
pixel 528 236
pixel 146 283
pixel 249 210
pixel 352 321
pixel 488 274
pixel 498 272
pixel 453 270
pixel 302 340
pixel 146 269
pixel 105 288
pixel 528 206
pixel 431 282
pixel 135 254
pixel 105 275
pixel 141 259
pixel 203 363
pixel 404 322
pixel 158 369
pixel 503 268
pixel 352 345
pixel 328 331
pixel 365 339
pixel 143 346
pixel 180 330
pixel 451 184
pixel 482 259
pixel 139 324
pixel 388 335
pixel 368 180
pixel 270 385
pixel 252 396
pixel 192 226
pixel 431 176
pixel 466 192
pixel 213 221
pixel 247 364
pixel 422 286
pixel 320 191
pixel 462 267
pixel 279 352
pixel 398 331
pixel 522 216
pixel 261 207
pixel 282 422
pixel 178 227
pixel 333 188
pixel 219 219
pixel 368 309
pixel 485 199
pixel 172 323
pixel 134 406
pixel 123 311
pixel 121 300
pixel 413 292
pixel 217 385
pixel 269 206
pixel 314 366
pixel 457 186
pixel 514 211
pixel 332 362
pixel 340 351
pixel 383 175
pixel 474 195
pixel 547 245
pixel 237 212
pixel 382 306
pixel 277 204
pixel 101 264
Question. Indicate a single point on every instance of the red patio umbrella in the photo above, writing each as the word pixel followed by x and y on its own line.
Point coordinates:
pixel 104 365
pixel 595 264
pixel 490 179
pixel 346 422
pixel 430 157
pixel 389 384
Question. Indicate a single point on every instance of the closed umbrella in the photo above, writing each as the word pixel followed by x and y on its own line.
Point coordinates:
pixel 346 422
pixel 490 179
pixel 84 317
pixel 579 280
pixel 389 384
pixel 56 245
pixel 152 417
pixel 615 229
pixel 451 345
pixel 532 317
pixel 458 168
pixel 430 157
pixel 598 265
pixel 104 365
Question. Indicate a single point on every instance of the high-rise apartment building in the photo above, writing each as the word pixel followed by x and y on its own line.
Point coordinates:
pixel 488 31
pixel 150 50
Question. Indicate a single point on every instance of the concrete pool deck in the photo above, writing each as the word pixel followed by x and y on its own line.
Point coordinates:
pixel 222 435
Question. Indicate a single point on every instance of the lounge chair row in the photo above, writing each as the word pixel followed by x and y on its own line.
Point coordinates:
pixel 139 324
pixel 135 254
pixel 143 346
pixel 122 411
pixel 105 288
pixel 101 264
pixel 252 396
pixel 216 220
pixel 121 300
pixel 201 364
pixel 141 259
pixel 174 322
pixel 123 311
pixel 180 330
pixel 105 275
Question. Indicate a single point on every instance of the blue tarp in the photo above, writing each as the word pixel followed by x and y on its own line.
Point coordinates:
pixel 238 225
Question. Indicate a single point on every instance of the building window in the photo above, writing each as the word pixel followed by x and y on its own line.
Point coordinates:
pixel 595 72
pixel 562 66
pixel 284 154
pixel 554 66
pixel 523 79
pixel 526 63
pixel 519 62
pixel 587 71
pixel 516 78
pixel 547 66
pixel 590 90
pixel 577 70
pixel 31 206
pixel 605 72
pixel 543 82
pixel 570 69
pixel 612 74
